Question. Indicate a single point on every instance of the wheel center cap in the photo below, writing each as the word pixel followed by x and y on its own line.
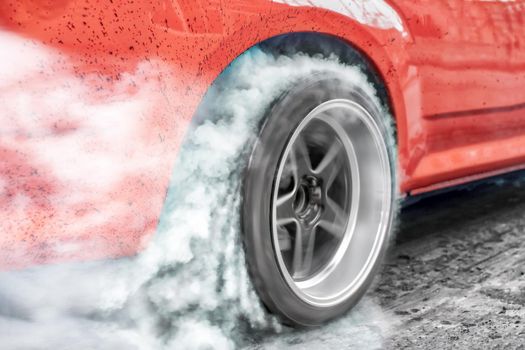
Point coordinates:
pixel 308 199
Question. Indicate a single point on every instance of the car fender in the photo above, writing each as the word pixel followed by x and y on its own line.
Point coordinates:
pixel 122 54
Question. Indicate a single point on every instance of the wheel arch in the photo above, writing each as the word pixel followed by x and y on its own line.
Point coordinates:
pixel 325 45
pixel 382 52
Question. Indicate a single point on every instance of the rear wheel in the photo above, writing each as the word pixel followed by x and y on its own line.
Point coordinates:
pixel 318 199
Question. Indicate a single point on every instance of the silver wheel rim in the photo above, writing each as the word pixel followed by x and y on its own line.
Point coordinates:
pixel 331 203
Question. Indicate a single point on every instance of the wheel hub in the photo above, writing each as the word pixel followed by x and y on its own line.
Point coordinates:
pixel 308 201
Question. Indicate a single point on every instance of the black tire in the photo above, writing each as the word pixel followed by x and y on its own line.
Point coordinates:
pixel 282 118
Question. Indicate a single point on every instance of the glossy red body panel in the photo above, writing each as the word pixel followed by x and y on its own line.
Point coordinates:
pixel 454 71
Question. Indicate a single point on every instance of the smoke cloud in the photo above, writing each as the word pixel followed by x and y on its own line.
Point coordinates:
pixel 189 289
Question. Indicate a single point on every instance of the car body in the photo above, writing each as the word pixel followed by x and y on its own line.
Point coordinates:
pixel 454 72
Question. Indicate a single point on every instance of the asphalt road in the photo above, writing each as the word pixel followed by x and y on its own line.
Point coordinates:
pixel 454 279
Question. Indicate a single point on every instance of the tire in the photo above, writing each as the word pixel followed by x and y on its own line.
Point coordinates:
pixel 315 229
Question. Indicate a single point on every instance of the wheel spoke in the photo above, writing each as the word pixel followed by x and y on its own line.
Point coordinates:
pixel 298 250
pixel 333 219
pixel 309 249
pixel 329 167
pixel 285 240
pixel 292 168
pixel 284 206
pixel 301 156
pixel 303 253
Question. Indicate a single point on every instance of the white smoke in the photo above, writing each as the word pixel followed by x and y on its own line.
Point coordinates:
pixel 69 143
pixel 189 289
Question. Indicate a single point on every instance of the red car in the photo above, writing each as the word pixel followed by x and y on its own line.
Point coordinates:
pixel 287 128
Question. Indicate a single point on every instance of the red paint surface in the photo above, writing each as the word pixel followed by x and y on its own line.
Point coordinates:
pixel 455 75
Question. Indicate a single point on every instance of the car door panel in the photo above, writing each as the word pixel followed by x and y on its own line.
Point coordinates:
pixel 469 55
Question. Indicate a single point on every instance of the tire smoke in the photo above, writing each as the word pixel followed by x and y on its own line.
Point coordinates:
pixel 189 289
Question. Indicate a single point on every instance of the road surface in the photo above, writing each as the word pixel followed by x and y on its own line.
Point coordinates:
pixel 454 279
